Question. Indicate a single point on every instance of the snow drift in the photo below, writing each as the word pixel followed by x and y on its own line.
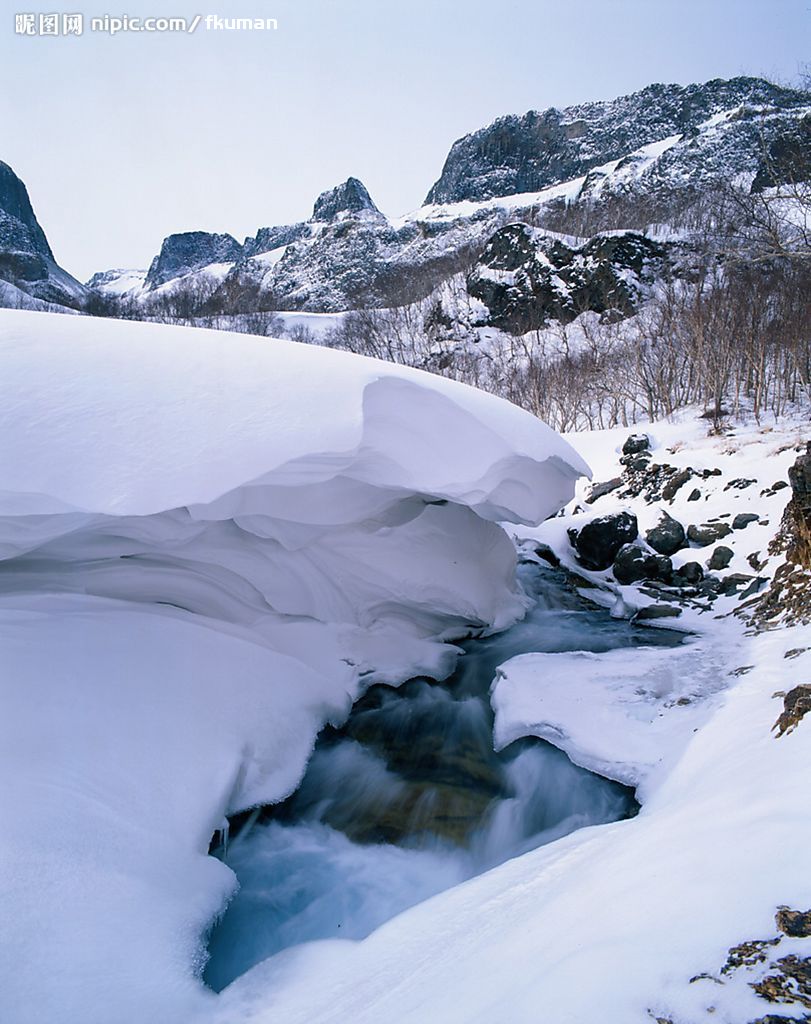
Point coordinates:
pixel 210 545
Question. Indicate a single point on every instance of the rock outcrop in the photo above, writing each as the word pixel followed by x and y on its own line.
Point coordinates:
pixel 531 152
pixel 26 260
pixel 188 251
pixel 527 277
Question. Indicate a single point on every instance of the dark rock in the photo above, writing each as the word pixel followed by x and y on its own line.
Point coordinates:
pixel 633 563
pixel 547 554
pixel 755 587
pixel 690 572
pixel 599 541
pixel 790 982
pixel 635 444
pixel 707 473
pixel 707 533
pixel 599 490
pixel 667 537
pixel 721 558
pixel 694 495
pixel 799 477
pixel 675 482
pixel 657 611
pixel 796 704
pixel 779 485
pixel 743 519
pixel 710 586
pixel 739 485
pixel 794 923
pixel 787 159
pixel 526 277
pixel 732 583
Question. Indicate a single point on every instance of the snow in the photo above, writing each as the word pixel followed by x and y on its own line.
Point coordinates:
pixel 622 714
pixel 118 282
pixel 613 922
pixel 211 545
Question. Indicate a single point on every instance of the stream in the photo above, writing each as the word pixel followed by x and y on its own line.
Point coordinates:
pixel 408 798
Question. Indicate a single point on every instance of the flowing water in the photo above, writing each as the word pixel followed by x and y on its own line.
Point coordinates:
pixel 409 798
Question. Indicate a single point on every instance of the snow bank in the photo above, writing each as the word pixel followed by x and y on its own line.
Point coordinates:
pixel 623 714
pixel 210 544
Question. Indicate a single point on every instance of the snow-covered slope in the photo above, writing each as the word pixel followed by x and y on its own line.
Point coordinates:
pixel 210 546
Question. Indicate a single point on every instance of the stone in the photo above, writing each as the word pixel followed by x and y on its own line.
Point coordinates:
pixel 635 444
pixel 667 537
pixel 796 705
pixel 743 519
pixel 657 611
pixel 794 923
pixel 676 482
pixel 721 558
pixel 799 477
pixel 547 554
pixel 755 587
pixel 601 489
pixel 633 563
pixel 598 543
pixel 690 572
pixel 708 533
pixel 732 583
pixel 694 495
pixel 740 484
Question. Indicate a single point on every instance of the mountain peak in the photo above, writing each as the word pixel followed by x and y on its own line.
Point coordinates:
pixel 528 153
pixel 187 251
pixel 350 197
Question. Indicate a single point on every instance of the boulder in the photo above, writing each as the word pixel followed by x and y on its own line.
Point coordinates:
pixel 694 495
pixel 598 490
pixel 708 533
pixel 690 572
pixel 720 558
pixel 598 543
pixel 668 536
pixel 799 476
pixel 675 482
pixel 743 519
pixel 633 563
pixel 657 611
pixel 635 444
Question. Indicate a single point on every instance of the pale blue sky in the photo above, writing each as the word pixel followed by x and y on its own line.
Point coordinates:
pixel 123 140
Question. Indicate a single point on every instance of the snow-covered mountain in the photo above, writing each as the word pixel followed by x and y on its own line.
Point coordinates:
pixel 29 275
pixel 629 163
pixel 530 153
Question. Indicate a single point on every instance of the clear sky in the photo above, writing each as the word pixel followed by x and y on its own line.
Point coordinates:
pixel 123 139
